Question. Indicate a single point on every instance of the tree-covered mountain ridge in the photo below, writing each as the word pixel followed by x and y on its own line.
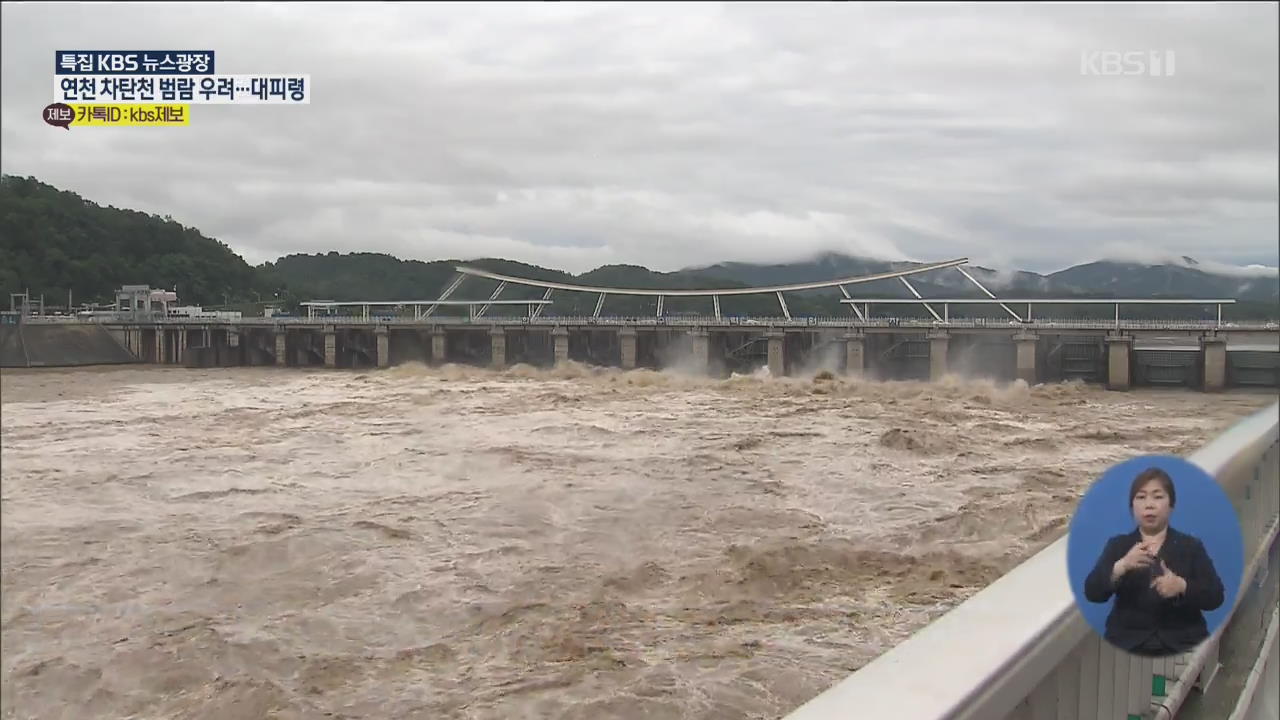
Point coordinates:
pixel 53 241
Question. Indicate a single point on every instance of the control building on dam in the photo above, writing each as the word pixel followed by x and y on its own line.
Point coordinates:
pixel 1119 352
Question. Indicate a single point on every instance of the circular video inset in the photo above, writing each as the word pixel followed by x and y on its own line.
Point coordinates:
pixel 1155 555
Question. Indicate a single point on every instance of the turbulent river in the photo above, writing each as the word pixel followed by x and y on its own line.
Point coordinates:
pixel 464 543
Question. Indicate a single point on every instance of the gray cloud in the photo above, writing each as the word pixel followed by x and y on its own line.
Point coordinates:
pixel 675 135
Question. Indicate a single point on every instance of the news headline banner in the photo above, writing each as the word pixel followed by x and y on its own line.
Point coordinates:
pixel 186 89
pixel 186 77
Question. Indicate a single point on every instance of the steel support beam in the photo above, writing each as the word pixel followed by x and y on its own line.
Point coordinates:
pixel 496 292
pixel 782 301
pixel 927 306
pixel 852 306
pixel 445 295
pixel 989 294
pixel 545 296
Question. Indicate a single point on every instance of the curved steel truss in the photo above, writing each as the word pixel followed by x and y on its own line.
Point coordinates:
pixel 861 307
pixel 714 294
pixel 659 292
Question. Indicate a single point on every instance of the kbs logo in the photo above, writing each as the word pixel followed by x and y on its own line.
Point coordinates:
pixel 1154 63
pixel 117 63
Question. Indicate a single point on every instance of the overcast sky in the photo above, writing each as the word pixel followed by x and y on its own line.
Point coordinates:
pixel 671 135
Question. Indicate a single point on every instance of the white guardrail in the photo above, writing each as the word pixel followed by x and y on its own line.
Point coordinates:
pixel 1020 648
pixel 670 321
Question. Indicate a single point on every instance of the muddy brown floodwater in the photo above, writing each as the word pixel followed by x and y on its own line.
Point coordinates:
pixel 462 543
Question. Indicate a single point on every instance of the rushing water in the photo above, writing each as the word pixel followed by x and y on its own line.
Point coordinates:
pixel 461 543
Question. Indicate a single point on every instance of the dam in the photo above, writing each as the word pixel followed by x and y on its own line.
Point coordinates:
pixel 1138 354
pixel 1120 353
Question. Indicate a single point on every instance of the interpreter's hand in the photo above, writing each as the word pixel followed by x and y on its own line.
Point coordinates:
pixel 1167 584
pixel 1139 556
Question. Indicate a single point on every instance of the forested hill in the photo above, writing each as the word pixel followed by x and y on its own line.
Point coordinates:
pixel 52 241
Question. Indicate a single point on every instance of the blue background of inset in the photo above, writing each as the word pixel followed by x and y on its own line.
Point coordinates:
pixel 1203 510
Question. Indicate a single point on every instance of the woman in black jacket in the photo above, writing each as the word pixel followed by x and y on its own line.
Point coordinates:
pixel 1163 580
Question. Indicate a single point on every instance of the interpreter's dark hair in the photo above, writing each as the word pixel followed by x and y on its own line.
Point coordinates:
pixel 1159 476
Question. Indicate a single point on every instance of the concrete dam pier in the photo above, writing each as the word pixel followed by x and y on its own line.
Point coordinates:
pixel 1208 360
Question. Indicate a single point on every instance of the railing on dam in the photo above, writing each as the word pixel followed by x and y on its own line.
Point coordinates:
pixel 691 321
pixel 1020 648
